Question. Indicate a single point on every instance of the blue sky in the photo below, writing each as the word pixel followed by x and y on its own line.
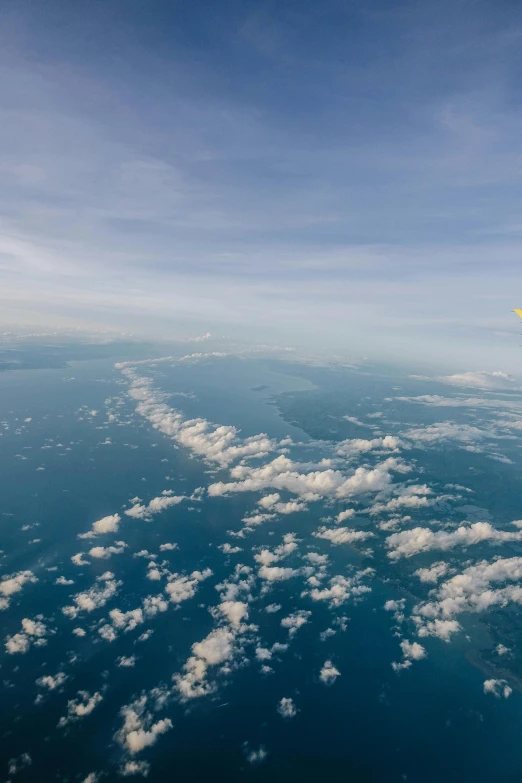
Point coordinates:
pixel 340 173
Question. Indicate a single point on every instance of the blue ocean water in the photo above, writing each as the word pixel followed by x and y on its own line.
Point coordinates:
pixel 74 450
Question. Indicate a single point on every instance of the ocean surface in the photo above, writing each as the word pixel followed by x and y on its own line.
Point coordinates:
pixel 94 696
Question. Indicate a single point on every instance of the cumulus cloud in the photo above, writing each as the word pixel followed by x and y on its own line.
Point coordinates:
pixel 295 621
pixel 139 730
pixel 283 474
pixel 414 496
pixel 474 590
pixel 273 503
pixel 215 649
pixel 52 682
pixel 221 444
pixel 80 707
pixel 286 708
pixel 155 506
pixel 422 539
pixel 234 611
pixel 126 662
pixel 104 552
pixel 181 588
pixel 94 598
pixel 344 515
pixel 329 673
pixel 228 549
pixel 134 767
pixel 411 651
pixel 432 574
pixel 79 559
pixel 341 588
pixel 357 446
pixel 126 621
pixel 33 632
pixel 498 688
pixel 10 585
pixel 61 580
pixel 342 535
pixel 108 524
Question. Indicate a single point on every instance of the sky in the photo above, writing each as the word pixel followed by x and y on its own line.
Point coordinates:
pixel 337 173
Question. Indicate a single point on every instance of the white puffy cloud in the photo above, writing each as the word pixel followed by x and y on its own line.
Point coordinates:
pixel 228 549
pixel 126 621
pixel 274 503
pixel 181 588
pixel 217 648
pixel 33 632
pixel 357 446
pixel 92 777
pixel 473 590
pixel 277 573
pixel 134 767
pixel 432 574
pixel 269 500
pixel 344 515
pixel 342 535
pixel 79 559
pixel 442 629
pixel 108 524
pixel 152 604
pixel 234 611
pixel 295 621
pixel 215 443
pixel 94 598
pixel 10 585
pixel 80 707
pixel 192 683
pixel 498 688
pixel 126 662
pixel 168 547
pixel 329 673
pixel 139 739
pixel 155 506
pixel 422 539
pixel 286 708
pixel 414 496
pixel 411 651
pixel 61 580
pixel 108 633
pixel 267 556
pixel 52 682
pixel 104 552
pixel 139 730
pixel 341 588
pixel 283 474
